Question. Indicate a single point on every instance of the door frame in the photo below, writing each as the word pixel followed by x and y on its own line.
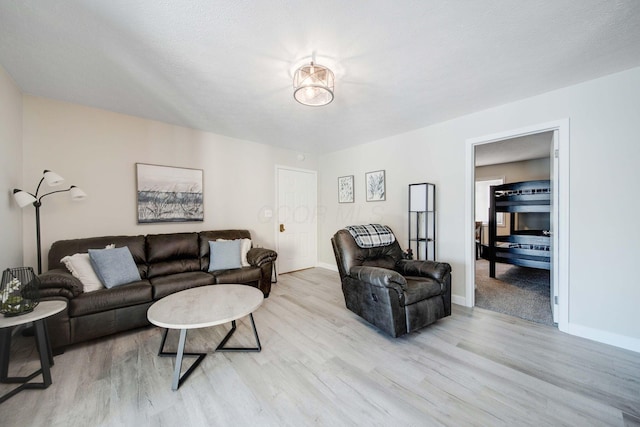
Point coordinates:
pixel 560 210
pixel 276 216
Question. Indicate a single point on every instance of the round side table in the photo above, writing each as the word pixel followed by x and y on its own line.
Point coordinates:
pixel 43 310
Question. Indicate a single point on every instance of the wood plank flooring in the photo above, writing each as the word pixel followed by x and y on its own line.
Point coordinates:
pixel 322 365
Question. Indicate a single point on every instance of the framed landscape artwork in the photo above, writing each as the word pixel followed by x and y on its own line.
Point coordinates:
pixel 345 189
pixel 375 186
pixel 169 194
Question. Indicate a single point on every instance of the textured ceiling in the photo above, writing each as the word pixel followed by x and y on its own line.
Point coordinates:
pixel 227 66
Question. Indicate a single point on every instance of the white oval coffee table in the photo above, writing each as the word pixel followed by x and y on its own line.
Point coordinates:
pixel 202 307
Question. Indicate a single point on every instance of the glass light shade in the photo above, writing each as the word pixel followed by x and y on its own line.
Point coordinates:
pixel 52 179
pixel 77 194
pixel 23 198
pixel 313 85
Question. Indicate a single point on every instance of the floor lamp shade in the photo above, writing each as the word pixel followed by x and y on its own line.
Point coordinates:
pixel 77 194
pixel 52 179
pixel 24 198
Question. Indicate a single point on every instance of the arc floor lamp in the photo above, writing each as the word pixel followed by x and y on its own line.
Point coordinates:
pixel 24 198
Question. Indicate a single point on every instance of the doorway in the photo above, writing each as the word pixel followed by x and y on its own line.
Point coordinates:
pixel 519 284
pixel 296 233
pixel 559 165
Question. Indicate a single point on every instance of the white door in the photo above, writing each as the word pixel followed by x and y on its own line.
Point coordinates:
pixel 554 277
pixel 297 219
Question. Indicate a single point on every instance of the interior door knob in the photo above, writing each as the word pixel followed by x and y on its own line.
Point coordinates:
pixel 281 228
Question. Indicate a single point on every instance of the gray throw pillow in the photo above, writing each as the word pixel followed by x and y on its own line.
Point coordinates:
pixel 114 267
pixel 225 254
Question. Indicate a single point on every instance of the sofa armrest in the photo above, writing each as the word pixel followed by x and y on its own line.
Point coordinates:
pixel 380 277
pixel 58 282
pixel 422 268
pixel 260 256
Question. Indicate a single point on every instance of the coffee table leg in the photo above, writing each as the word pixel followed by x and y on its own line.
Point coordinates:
pixel 221 346
pixel 177 379
pixel 176 374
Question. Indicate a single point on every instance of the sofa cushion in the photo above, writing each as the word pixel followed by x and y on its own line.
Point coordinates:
pixel 79 265
pixel 114 267
pixel 165 285
pixel 107 299
pixel 421 288
pixel 206 236
pixel 225 254
pixel 172 253
pixel 175 266
pixel 238 275
pixel 245 247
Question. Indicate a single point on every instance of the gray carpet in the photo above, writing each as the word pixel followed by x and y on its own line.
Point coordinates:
pixel 516 291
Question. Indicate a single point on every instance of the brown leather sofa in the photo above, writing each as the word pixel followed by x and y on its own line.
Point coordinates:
pixel 167 263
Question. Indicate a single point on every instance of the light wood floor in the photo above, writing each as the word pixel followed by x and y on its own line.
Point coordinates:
pixel 322 365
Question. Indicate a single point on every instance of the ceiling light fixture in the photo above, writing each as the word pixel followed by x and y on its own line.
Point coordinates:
pixel 313 85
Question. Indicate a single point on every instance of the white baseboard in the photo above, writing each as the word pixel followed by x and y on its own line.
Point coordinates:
pixel 331 267
pixel 459 300
pixel 604 337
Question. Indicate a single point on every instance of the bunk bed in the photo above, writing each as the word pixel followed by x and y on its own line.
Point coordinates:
pixel 523 246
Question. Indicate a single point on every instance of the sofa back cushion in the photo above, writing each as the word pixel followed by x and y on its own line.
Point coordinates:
pixel 206 236
pixel 348 254
pixel 172 253
pixel 62 248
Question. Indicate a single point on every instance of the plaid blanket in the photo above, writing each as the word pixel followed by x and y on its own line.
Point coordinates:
pixel 371 235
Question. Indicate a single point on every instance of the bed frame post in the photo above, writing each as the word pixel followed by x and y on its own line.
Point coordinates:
pixel 492 231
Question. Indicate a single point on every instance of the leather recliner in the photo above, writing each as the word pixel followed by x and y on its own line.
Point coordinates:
pixel 395 294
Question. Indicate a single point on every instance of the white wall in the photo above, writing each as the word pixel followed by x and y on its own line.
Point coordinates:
pixel 97 150
pixel 10 171
pixel 604 174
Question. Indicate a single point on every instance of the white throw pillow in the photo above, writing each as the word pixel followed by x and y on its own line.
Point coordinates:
pixel 80 267
pixel 245 245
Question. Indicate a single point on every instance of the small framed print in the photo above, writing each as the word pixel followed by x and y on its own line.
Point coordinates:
pixel 375 186
pixel 345 189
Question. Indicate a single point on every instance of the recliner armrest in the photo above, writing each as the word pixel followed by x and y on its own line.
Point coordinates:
pixel 423 268
pixel 378 276
pixel 58 282
pixel 261 256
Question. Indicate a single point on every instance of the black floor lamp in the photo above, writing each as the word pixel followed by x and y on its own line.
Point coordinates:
pixel 23 199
